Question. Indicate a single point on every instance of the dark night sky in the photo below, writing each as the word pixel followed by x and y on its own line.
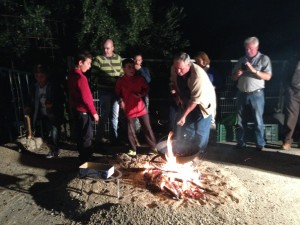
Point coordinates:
pixel 219 27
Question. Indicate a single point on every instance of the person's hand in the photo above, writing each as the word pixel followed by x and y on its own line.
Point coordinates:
pixel 181 122
pixel 250 67
pixel 27 111
pixel 178 101
pixel 173 92
pixel 122 105
pixel 137 95
pixel 237 74
pixel 96 117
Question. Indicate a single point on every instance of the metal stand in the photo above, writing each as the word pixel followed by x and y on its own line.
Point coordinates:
pixel 116 176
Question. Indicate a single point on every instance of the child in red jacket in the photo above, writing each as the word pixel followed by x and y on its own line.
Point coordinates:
pixel 130 89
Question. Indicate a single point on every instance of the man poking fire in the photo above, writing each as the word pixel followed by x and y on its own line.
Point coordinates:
pixel 195 95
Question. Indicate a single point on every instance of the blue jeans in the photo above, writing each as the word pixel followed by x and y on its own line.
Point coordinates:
pixel 50 131
pixel 257 103
pixel 194 135
pixel 109 109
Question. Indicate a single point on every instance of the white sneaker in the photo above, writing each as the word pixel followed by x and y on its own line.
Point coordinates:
pixel 52 154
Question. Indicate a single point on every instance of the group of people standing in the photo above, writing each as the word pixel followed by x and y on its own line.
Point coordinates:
pixel 124 84
pixel 118 88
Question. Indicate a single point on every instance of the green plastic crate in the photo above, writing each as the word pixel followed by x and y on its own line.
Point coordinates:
pixel 228 133
pixel 225 133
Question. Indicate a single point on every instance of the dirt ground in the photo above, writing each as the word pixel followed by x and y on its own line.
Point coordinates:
pixel 253 188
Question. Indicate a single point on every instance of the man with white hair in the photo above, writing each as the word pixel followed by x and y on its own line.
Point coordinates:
pixel 195 94
pixel 251 71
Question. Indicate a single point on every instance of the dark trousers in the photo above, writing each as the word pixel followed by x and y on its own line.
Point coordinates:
pixel 291 114
pixel 109 108
pixel 146 128
pixel 50 131
pixel 84 135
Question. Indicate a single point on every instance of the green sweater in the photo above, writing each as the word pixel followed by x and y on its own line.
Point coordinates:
pixel 105 71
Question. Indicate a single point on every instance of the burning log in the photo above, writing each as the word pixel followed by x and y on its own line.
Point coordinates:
pixel 172 191
pixel 183 181
pixel 153 180
pixel 157 180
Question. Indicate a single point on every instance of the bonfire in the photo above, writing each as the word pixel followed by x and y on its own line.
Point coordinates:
pixel 179 180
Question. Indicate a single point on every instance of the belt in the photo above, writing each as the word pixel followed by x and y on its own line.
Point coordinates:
pixel 252 92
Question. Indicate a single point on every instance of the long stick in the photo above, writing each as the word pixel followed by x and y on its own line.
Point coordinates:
pixel 28 126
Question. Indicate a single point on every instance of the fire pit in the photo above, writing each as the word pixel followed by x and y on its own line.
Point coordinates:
pixel 180 180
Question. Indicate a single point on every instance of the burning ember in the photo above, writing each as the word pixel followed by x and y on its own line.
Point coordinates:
pixel 178 180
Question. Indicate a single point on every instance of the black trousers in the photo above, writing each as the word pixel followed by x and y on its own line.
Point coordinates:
pixel 291 114
pixel 84 134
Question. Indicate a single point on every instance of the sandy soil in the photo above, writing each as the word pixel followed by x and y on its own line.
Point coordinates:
pixel 253 187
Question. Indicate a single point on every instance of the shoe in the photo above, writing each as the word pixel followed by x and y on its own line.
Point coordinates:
pixel 105 141
pixel 241 146
pixel 52 154
pixel 153 151
pixel 259 148
pixel 131 153
pixel 286 146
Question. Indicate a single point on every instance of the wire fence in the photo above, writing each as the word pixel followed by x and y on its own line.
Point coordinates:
pixel 15 87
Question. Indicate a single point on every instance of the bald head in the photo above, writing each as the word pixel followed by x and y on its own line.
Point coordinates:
pixel 108 48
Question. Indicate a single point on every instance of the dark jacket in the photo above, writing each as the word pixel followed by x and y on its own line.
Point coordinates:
pixel 54 95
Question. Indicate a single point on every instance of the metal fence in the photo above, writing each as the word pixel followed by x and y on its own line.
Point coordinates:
pixel 15 86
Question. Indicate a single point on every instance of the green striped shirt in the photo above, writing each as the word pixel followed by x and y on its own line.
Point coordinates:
pixel 105 71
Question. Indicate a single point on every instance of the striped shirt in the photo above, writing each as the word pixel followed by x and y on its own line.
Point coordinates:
pixel 106 70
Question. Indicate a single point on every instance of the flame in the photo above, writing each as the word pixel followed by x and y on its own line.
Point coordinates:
pixel 179 180
pixel 171 159
pixel 184 171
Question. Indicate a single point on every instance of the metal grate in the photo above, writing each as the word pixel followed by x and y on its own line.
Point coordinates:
pixel 97 106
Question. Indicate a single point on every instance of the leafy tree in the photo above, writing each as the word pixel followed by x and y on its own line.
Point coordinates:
pixel 23 24
pixel 132 26
pixel 148 25
pixel 167 34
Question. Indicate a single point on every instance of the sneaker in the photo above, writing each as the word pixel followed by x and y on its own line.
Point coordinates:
pixel 104 141
pixel 241 146
pixel 52 154
pixel 153 151
pixel 131 153
pixel 259 148
pixel 286 146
